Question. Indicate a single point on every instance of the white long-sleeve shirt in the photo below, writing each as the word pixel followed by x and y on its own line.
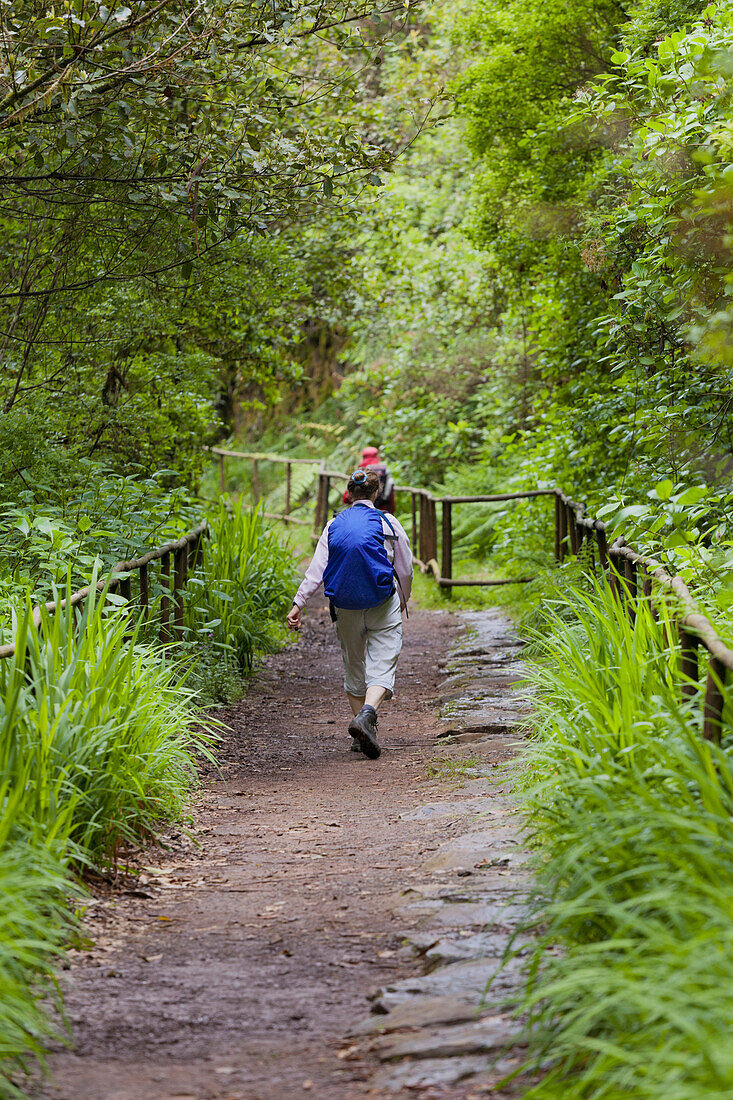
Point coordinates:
pixel 313 578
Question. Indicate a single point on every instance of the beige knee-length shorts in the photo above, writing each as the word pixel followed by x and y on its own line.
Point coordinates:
pixel 371 641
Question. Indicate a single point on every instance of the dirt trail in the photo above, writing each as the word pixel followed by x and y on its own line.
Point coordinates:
pixel 239 969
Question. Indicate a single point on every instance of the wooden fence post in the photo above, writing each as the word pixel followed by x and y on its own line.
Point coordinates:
pixel 317 515
pixel 714 701
pixel 558 552
pixel 144 592
pixel 563 515
pixel 326 494
pixel 255 482
pixel 222 475
pixel 288 486
pixel 572 529
pixel 446 567
pixel 614 579
pixel 126 588
pixel 630 583
pixel 165 600
pixel 602 548
pixel 423 554
pixel 433 514
pixel 413 508
pixel 180 560
pixel 688 665
pixel 591 548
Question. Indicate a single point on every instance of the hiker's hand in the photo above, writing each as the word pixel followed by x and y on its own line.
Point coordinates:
pixel 293 620
pixel 403 605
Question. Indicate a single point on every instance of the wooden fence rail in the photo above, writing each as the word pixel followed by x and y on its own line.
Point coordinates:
pixel 255 457
pixel 630 574
pixel 185 554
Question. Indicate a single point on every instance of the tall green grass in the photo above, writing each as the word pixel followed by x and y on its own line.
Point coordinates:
pixel 96 723
pixel 99 740
pixel 34 923
pixel 630 992
pixel 236 603
pixel 98 747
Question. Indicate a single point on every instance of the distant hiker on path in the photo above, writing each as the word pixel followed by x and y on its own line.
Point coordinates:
pixel 370 460
pixel 364 561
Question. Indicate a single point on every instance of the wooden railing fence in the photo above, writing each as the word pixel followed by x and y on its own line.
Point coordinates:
pixel 256 457
pixel 185 554
pixel 630 574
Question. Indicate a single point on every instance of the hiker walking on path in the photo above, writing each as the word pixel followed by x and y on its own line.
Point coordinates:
pixel 370 460
pixel 364 562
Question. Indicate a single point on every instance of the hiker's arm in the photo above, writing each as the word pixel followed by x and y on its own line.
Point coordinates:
pixel 403 560
pixel 313 578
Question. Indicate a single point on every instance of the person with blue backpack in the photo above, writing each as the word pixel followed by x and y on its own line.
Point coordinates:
pixel 364 562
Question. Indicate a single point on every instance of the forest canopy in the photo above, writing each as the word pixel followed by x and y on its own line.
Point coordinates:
pixel 160 167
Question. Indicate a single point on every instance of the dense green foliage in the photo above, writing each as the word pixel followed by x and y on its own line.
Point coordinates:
pixel 545 285
pixel 630 811
pixel 166 176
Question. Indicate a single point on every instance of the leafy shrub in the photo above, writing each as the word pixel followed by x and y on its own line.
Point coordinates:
pixel 239 597
pixel 95 518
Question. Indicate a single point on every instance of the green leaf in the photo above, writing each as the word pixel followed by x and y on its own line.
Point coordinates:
pixel 691 496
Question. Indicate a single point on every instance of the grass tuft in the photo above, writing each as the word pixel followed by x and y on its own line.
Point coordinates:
pixel 631 817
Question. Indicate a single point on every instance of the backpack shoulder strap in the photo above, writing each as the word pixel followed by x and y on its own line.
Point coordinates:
pixel 393 539
pixel 385 519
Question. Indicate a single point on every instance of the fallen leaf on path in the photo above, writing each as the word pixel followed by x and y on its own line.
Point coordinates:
pixel 307 1085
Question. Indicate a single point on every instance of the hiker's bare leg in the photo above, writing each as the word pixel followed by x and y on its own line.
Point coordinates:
pixel 375 695
pixel 356 702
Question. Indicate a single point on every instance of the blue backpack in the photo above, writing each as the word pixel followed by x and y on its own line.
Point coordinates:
pixel 358 574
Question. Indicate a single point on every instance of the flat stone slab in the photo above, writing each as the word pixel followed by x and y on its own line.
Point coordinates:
pixel 429 1072
pixel 472 734
pixel 487 1034
pixel 487 629
pixel 467 981
pixel 480 914
pixel 478 945
pixel 463 853
pixel 467 914
pixel 432 810
pixel 418 1012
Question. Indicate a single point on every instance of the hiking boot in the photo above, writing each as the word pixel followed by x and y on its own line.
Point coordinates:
pixel 363 728
pixel 355 746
